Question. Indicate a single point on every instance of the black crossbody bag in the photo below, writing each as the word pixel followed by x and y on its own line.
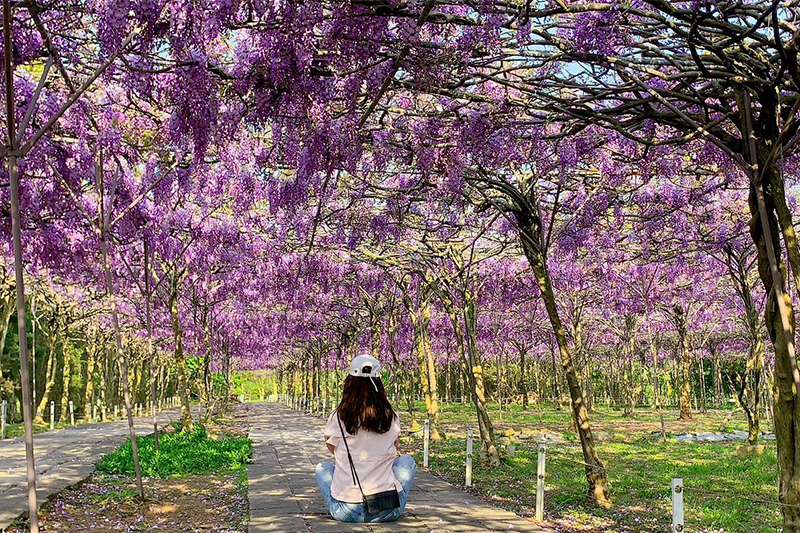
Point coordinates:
pixel 373 503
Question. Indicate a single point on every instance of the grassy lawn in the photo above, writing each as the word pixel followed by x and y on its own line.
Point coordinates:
pixel 720 486
pixel 179 454
pixel 457 417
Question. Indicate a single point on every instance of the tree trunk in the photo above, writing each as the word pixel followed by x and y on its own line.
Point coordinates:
pixel 530 236
pixel 50 376
pixel 716 373
pixel 180 363
pixel 786 404
pixel 627 372
pixel 750 388
pixel 433 386
pixel 207 359
pixel 88 392
pixel 679 318
pixel 67 380
pixel 420 315
pixel 523 386
pixel 447 383
pixel 556 391
pixel 656 382
pixel 473 358
pixel 703 398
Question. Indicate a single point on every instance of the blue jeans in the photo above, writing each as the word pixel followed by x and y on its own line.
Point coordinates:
pixel 404 469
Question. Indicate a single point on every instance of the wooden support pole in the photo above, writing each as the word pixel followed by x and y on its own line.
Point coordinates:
pixel 427 443
pixel 540 469
pixel 677 505
pixel 468 478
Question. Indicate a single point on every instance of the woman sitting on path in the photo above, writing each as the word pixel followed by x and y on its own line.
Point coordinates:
pixel 368 482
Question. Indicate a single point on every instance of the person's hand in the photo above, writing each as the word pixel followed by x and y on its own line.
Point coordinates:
pixel 332 448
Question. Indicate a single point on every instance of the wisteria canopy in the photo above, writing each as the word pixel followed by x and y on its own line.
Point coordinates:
pixel 282 184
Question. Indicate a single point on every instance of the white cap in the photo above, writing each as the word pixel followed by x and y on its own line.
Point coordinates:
pixel 365 366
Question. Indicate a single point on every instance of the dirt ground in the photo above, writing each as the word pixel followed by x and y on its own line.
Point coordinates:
pixel 198 503
pixel 186 504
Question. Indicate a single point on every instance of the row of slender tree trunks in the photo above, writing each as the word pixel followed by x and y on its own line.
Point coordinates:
pixel 533 383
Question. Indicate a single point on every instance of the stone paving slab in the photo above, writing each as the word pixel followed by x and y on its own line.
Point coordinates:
pixel 63 457
pixel 284 497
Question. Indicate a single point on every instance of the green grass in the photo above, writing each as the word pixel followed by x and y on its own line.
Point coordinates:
pixel 18 429
pixel 512 415
pixel 114 496
pixel 179 454
pixel 640 469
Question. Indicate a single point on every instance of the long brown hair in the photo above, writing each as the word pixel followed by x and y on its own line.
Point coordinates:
pixel 363 407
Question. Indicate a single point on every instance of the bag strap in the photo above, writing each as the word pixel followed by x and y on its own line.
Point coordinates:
pixel 350 457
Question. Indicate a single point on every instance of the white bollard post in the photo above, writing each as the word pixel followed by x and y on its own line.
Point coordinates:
pixel 427 442
pixel 677 505
pixel 104 413
pixel 71 414
pixel 3 417
pixel 468 481
pixel 94 412
pixel 52 415
pixel 540 483
pixel 512 450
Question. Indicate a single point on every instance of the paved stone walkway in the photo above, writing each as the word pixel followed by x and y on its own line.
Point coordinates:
pixel 284 497
pixel 64 457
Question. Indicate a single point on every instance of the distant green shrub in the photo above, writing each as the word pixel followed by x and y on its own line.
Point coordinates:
pixel 179 454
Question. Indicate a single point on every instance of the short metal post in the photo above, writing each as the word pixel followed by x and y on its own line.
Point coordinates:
pixel 52 415
pixel 3 417
pixel 677 505
pixel 468 481
pixel 427 443
pixel 71 413
pixel 540 483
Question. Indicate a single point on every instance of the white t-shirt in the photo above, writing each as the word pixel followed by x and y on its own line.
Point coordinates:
pixel 373 454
